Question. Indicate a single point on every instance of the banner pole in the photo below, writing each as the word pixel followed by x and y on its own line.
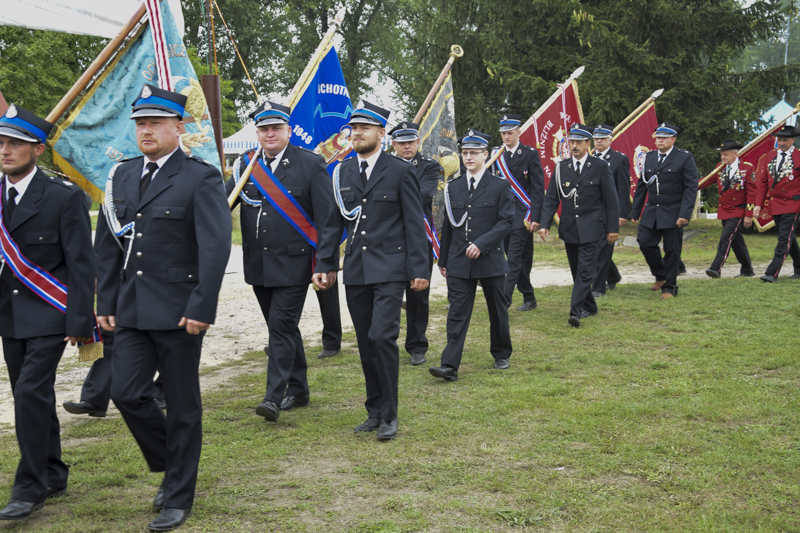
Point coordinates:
pixel 455 52
pixel 636 112
pixel 528 123
pixel 102 58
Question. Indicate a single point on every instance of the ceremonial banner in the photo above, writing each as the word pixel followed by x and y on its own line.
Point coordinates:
pixel 553 121
pixel 99 132
pixel 438 141
pixel 319 120
pixel 635 139
pixel 760 154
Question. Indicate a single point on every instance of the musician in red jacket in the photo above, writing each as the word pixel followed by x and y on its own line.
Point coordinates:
pixel 779 190
pixel 737 194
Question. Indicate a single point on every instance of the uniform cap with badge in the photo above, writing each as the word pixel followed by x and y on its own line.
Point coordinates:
pixel 405 132
pixel 269 113
pixel 475 140
pixel 20 123
pixel 603 131
pixel 580 132
pixel 156 102
pixel 509 122
pixel 665 129
pixel 786 131
pixel 367 113
pixel 729 144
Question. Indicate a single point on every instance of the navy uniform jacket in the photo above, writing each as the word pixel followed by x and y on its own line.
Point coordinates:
pixel 675 195
pixel 275 254
pixel 52 229
pixel 428 172
pixel 390 243
pixel 621 170
pixel 597 207
pixel 180 249
pixel 490 217
pixel 526 167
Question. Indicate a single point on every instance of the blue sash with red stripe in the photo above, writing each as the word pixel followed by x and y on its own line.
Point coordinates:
pixel 519 192
pixel 433 239
pixel 38 280
pixel 283 202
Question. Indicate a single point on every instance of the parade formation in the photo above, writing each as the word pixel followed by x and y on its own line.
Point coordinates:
pixel 350 211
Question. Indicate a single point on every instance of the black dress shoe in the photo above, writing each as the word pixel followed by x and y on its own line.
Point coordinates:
pixel 53 492
pixel 19 510
pixel 170 518
pixel 597 294
pixel 528 306
pixel 266 350
pixel 290 402
pixel 84 408
pixel 712 273
pixel 387 430
pixel 768 279
pixel 161 403
pixel 158 501
pixel 269 410
pixel 371 424
pixel 574 321
pixel 501 364
pixel 324 354
pixel 417 358
pixel 794 276
pixel 587 314
pixel 611 286
pixel 447 372
pixel 745 275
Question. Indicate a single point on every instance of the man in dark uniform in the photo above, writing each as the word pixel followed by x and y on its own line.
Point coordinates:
pixel 520 165
pixel 46 300
pixel 480 214
pixel 737 195
pixel 584 186
pixel 378 202
pixel 405 141
pixel 280 216
pixel 162 251
pixel 607 273
pixel 778 180
pixel 670 178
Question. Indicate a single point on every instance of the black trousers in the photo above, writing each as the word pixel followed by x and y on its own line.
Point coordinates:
pixel 32 365
pixel 732 238
pixel 286 367
pixel 583 265
pixel 461 295
pixel 787 244
pixel 519 252
pixel 665 268
pixel 169 444
pixel 375 310
pixel 97 385
pixel 607 271
pixel 417 312
pixel 331 317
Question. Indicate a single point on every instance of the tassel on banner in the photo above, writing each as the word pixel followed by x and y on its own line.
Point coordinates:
pixel 90 352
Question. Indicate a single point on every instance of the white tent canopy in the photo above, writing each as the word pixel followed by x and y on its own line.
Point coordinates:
pixel 243 140
pixel 84 17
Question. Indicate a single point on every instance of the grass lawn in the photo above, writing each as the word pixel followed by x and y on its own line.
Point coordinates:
pixel 677 415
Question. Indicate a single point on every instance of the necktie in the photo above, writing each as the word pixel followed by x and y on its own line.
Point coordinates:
pixel 11 204
pixel 578 168
pixel 270 160
pixel 147 178
pixel 661 158
pixel 471 186
pixel 364 166
pixel 780 164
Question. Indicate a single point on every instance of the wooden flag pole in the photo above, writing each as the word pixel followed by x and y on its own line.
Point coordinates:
pixel 755 141
pixel 455 52
pixel 636 112
pixel 299 88
pixel 112 46
pixel 528 123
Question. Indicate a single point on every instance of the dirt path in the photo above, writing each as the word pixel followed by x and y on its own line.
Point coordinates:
pixel 240 328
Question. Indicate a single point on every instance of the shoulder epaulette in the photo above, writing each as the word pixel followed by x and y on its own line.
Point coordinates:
pixel 306 150
pixel 200 160
pixel 498 176
pixel 747 163
pixel 61 181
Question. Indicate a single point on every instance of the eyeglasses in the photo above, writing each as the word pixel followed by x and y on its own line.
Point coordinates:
pixel 472 153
